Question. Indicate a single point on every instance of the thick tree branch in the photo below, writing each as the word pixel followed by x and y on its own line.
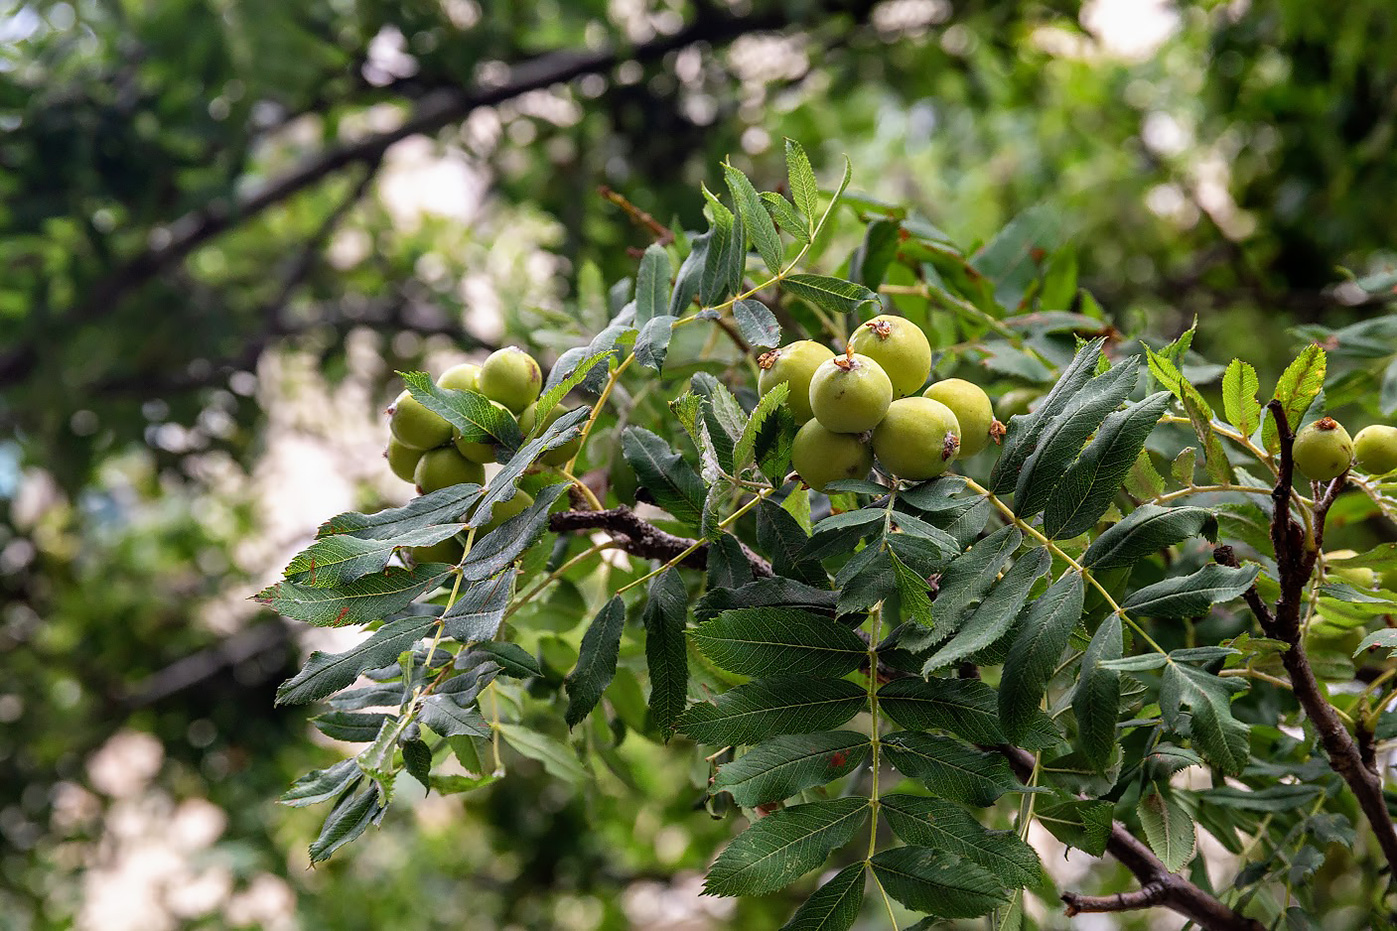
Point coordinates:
pixel 435 111
pixel 640 538
pixel 1158 886
pixel 1295 561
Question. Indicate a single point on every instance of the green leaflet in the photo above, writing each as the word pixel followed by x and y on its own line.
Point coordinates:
pixel 805 190
pixel 938 882
pixel 470 412
pixel 326 673
pixel 930 822
pixel 768 641
pixel 1297 388
pixel 340 558
pixel 996 613
pixel 596 661
pixel 1144 532
pixel 1168 828
pixel 783 846
pixel 965 581
pixel 755 218
pixel 652 285
pixel 666 657
pixel 446 506
pixel 1084 824
pixel 790 763
pixel 347 820
pixel 949 768
pixel 558 759
pixel 1220 737
pixel 1191 595
pixel 835 295
pixel 494 552
pixel 1239 403
pixel 672 482
pixel 1089 484
pixel 1024 429
pixel 766 707
pixel 359 602
pixel 480 608
pixel 1096 698
pixel 965 707
pixel 1043 630
pixel 834 906
pixel 756 323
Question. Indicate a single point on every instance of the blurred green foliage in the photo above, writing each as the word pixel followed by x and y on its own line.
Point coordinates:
pixel 190 190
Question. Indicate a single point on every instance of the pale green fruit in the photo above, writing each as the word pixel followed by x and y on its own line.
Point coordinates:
pixel 1375 448
pixel 1323 450
pixel 793 364
pixel 972 408
pixel 850 394
pixel 463 377
pixel 554 457
pixel 479 452
pixel 512 377
pixel 402 459
pixel 1018 401
pixel 1357 576
pixel 504 510
pixel 442 468
pixel 900 347
pixel 820 456
pixel 919 438
pixel 1388 580
pixel 413 425
pixel 448 551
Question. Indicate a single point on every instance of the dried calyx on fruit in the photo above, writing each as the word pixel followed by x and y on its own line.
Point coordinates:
pixel 972 408
pixel 900 347
pixel 850 393
pixel 1323 450
pixel 793 365
pixel 917 439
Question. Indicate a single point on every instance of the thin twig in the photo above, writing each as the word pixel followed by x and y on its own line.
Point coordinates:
pixel 640 538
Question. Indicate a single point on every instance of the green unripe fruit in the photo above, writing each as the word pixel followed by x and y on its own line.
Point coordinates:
pixel 1388 580
pixel 820 456
pixel 917 439
pixel 1375 448
pixel 504 510
pixel 463 377
pixel 402 459
pixel 1357 576
pixel 448 551
pixel 442 468
pixel 512 377
pixel 413 425
pixel 1323 450
pixel 554 457
pixel 1017 401
pixel 900 347
pixel 972 408
pixel 794 364
pixel 479 452
pixel 850 393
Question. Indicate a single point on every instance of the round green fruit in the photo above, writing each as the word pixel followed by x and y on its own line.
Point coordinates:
pixel 413 425
pixel 1017 401
pixel 1388 581
pixel 821 456
pixel 504 510
pixel 448 551
pixel 1375 448
pixel 442 468
pixel 972 408
pixel 463 377
pixel 850 393
pixel 793 364
pixel 511 377
pixel 1323 450
pixel 402 459
pixel 479 452
pixel 900 347
pixel 554 457
pixel 917 439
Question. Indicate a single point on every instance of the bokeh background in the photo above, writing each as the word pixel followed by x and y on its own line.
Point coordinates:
pixel 223 226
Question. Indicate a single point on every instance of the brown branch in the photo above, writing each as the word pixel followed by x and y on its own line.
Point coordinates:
pixel 1165 889
pixel 1144 897
pixel 1295 562
pixel 435 112
pixel 641 538
pixel 661 233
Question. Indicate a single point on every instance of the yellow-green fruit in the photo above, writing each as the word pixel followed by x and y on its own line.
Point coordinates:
pixel 900 347
pixel 1357 576
pixel 441 468
pixel 1375 448
pixel 793 364
pixel 413 425
pixel 504 510
pixel 1017 401
pixel 463 377
pixel 917 439
pixel 449 551
pixel 850 394
pixel 512 377
pixel 554 457
pixel 972 408
pixel 402 459
pixel 1388 580
pixel 1323 450
pixel 479 452
pixel 821 456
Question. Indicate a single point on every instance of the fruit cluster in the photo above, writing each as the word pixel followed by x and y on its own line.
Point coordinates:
pixel 864 404
pixel 428 452
pixel 1324 450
